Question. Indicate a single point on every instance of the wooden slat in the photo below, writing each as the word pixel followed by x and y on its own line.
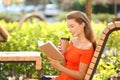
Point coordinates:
pixel 89 71
pixel 117 23
pixel 111 26
pixel 15 59
pixel 4 32
pixel 102 37
pixel 91 66
pixel 106 30
pixel 38 63
pixel 94 59
pixel 1 38
pixel 98 48
pixel 100 42
pixel 87 77
pixel 22 57
pixel 96 54
pixel 38 66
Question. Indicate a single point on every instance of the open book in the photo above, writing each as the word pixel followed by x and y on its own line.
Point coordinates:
pixel 50 50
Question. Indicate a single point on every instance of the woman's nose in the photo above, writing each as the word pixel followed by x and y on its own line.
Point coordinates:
pixel 70 30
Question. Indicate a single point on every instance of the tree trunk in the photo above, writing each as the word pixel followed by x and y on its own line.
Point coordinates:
pixel 115 7
pixel 88 8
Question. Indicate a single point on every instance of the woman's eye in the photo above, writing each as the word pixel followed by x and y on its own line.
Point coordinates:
pixel 71 26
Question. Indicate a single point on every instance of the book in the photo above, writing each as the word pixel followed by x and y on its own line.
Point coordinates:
pixel 50 50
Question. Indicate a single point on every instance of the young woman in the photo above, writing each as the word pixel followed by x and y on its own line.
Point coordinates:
pixel 81 48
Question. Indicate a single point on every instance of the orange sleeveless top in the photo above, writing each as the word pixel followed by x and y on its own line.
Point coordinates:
pixel 73 57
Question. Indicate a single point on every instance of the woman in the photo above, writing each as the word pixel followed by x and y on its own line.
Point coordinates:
pixel 81 48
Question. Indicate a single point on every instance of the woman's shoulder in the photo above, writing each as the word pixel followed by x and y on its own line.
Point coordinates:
pixel 88 45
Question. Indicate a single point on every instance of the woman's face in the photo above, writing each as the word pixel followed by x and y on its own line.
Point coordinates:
pixel 75 28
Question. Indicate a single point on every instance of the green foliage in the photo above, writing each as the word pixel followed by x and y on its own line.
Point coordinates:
pixel 101 17
pixel 11 16
pixel 104 8
pixel 79 5
pixel 25 38
pixel 102 70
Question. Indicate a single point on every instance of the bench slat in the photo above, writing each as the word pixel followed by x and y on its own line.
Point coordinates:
pixel 22 57
pixel 106 30
pixel 96 54
pixel 91 66
pixel 98 48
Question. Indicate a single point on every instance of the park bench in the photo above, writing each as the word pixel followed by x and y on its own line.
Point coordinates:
pixel 29 17
pixel 22 56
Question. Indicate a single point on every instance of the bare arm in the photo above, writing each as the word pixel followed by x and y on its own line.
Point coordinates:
pixel 79 74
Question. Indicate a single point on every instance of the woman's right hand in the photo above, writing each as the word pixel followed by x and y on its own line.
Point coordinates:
pixel 60 47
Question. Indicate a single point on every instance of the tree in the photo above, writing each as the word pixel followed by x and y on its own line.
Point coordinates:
pixel 115 7
pixel 88 8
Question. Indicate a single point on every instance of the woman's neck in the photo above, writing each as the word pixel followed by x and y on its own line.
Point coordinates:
pixel 82 38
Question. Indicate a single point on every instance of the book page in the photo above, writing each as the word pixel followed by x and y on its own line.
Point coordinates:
pixel 50 50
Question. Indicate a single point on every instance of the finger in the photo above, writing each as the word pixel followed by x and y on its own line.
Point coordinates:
pixel 49 58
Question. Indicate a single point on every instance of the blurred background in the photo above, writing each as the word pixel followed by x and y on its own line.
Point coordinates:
pixel 54 10
pixel 24 21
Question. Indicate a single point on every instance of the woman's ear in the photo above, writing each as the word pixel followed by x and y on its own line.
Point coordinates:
pixel 83 24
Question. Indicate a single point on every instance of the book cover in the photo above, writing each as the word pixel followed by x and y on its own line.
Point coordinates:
pixel 50 50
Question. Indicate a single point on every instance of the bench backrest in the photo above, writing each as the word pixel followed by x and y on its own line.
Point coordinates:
pixel 3 34
pixel 113 26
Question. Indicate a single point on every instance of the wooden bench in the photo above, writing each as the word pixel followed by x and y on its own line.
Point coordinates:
pixel 22 56
pixel 113 26
pixel 30 16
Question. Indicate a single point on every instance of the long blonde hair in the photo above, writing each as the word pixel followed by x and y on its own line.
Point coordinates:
pixel 80 17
